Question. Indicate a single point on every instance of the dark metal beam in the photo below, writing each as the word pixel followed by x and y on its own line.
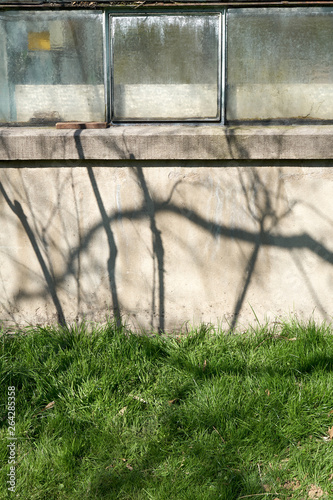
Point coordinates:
pixel 159 3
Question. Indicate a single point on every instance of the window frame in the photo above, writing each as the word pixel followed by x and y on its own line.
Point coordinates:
pixel 278 6
pixel 107 13
pixel 55 11
pixel 221 63
pixel 169 9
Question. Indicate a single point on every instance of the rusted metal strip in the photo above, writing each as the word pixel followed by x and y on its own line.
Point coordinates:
pixel 158 3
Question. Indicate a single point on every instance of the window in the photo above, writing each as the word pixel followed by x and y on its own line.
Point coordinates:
pixel 51 66
pixel 280 64
pixel 166 67
pixel 150 66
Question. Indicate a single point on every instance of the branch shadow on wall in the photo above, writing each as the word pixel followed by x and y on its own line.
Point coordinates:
pixel 17 209
pixel 113 251
pixel 261 205
pixel 263 202
pixel 264 207
pixel 157 244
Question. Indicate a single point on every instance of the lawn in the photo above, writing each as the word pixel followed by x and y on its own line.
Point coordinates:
pixel 108 414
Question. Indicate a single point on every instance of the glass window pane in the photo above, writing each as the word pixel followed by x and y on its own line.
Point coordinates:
pixel 166 67
pixel 280 64
pixel 51 66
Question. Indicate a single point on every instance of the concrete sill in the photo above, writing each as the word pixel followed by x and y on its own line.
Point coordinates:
pixel 168 142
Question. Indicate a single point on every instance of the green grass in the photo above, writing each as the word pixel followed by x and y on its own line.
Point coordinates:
pixel 197 417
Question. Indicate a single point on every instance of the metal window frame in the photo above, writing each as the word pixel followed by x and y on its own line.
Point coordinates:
pixel 35 8
pixel 262 9
pixel 108 58
pixel 116 11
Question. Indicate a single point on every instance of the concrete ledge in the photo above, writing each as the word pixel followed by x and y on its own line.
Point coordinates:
pixel 169 142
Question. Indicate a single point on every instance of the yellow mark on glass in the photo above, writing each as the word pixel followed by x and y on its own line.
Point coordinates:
pixel 39 41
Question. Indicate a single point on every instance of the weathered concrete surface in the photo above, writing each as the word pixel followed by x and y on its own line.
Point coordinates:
pixel 165 242
pixel 169 142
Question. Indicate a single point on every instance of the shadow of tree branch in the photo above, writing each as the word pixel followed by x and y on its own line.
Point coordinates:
pixel 263 202
pixel 17 209
pixel 158 250
pixel 111 263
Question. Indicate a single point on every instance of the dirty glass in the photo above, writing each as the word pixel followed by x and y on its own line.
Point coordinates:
pixel 51 67
pixel 166 67
pixel 280 64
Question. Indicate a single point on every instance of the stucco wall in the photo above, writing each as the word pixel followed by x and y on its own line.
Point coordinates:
pixel 165 241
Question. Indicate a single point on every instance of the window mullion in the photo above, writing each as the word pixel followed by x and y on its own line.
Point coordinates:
pixel 106 62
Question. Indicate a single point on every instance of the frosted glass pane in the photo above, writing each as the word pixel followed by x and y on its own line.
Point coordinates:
pixel 166 67
pixel 51 67
pixel 280 64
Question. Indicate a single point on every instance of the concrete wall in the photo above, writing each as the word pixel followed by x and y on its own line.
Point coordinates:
pixel 160 238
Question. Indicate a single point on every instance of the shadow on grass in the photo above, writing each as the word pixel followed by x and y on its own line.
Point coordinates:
pixel 218 481
pixel 312 364
pixel 222 473
pixel 200 445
